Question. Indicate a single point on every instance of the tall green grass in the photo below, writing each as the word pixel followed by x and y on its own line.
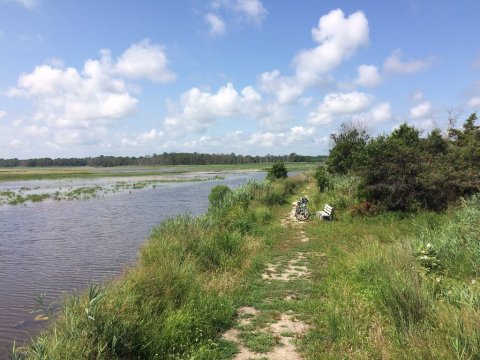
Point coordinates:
pixel 396 285
pixel 181 294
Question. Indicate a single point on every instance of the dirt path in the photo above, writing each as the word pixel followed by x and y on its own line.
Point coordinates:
pixel 271 332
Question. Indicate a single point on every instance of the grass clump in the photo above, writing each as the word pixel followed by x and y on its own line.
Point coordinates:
pixel 260 342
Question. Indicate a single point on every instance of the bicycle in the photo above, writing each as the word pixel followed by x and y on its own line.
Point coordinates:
pixel 301 211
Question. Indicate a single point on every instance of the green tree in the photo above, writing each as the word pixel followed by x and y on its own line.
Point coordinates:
pixel 349 146
pixel 464 155
pixel 277 171
pixel 391 167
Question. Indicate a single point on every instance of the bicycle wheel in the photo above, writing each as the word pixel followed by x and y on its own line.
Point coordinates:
pixel 301 214
pixel 307 214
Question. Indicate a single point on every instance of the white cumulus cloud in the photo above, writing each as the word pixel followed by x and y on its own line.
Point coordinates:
pixel 286 89
pixel 422 110
pixel 368 76
pixel 144 60
pixel 252 10
pixel 295 135
pixel 227 14
pixel 338 37
pixel 246 10
pixel 35 130
pixel 198 110
pixel 397 65
pixel 339 104
pixel 79 104
pixel 3 113
pixel 67 98
pixel 380 113
pixel 142 138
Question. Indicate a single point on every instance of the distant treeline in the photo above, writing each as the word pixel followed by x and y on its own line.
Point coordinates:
pixel 160 159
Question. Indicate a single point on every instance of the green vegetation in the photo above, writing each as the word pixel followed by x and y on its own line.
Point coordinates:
pixel 404 172
pixel 277 171
pixel 87 192
pixel 383 285
pixel 12 198
pixel 324 182
pixel 394 275
pixel 182 293
pixel 55 173
pixel 218 195
pixel 395 286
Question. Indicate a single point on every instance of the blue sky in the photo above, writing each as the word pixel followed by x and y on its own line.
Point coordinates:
pixel 245 76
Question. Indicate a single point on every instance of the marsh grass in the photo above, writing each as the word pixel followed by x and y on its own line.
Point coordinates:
pixel 377 297
pixel 182 293
pixel 17 199
pixel 369 294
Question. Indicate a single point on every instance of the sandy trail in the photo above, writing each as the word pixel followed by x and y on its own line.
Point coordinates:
pixel 287 328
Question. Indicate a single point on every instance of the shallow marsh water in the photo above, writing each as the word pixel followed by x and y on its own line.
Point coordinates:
pixel 55 247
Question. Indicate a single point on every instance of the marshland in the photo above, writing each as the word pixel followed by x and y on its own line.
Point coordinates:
pixel 394 275
pixel 84 231
pixel 239 180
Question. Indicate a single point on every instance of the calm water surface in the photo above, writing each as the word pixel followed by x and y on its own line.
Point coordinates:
pixel 55 247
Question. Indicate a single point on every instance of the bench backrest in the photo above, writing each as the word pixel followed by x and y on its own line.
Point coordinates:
pixel 328 209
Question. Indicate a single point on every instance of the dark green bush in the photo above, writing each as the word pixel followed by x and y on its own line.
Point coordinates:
pixel 406 172
pixel 349 145
pixel 323 180
pixel 277 171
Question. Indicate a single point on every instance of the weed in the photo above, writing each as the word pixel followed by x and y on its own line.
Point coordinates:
pixel 260 342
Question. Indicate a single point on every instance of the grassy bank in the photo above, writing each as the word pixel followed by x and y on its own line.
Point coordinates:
pixel 183 291
pixel 366 285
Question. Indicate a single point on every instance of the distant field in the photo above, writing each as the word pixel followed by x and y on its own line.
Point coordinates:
pixel 52 173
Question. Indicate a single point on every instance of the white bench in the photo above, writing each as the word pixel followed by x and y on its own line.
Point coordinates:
pixel 326 213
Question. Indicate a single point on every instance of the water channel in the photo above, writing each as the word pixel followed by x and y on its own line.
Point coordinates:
pixel 56 247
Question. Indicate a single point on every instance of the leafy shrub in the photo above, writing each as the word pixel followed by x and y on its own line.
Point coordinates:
pixel 364 208
pixel 277 171
pixel 323 180
pixel 406 172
